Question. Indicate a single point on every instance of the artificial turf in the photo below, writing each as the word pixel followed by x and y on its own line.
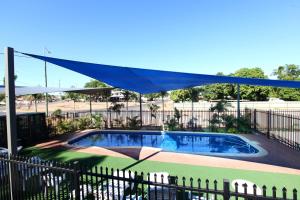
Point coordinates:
pixel 181 170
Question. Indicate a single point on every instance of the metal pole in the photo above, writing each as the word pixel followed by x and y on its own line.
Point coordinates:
pixel 163 108
pixel 238 101
pixel 10 101
pixel 193 126
pixel 46 85
pixel 141 114
pixel 46 81
pixel 35 104
pixel 10 115
pixel 91 104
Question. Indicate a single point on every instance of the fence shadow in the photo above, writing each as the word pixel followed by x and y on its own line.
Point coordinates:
pixel 59 155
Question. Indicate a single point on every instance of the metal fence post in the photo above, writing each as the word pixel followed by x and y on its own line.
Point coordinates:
pixel 226 188
pixel 254 120
pixel 76 180
pixel 268 123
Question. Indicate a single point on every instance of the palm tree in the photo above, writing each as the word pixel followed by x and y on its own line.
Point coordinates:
pixel 194 97
pixel 106 95
pixel 75 97
pixel 127 96
pixel 116 107
pixel 153 110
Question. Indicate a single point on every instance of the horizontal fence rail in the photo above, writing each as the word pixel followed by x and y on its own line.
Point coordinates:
pixel 34 178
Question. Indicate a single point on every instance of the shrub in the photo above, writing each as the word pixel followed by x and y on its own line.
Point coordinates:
pixel 83 123
pixel 97 121
pixel 56 113
pixel 172 124
pixel 66 126
pixel 134 123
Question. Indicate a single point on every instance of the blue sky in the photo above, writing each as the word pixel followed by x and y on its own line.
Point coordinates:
pixel 200 36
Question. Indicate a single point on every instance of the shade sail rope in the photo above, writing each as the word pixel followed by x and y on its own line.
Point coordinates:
pixel 146 81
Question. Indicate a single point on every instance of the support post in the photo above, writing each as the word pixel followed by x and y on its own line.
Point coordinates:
pixel 11 125
pixel 141 111
pixel 268 123
pixel 255 120
pixel 163 108
pixel 46 94
pixel 193 122
pixel 10 101
pixel 90 104
pixel 76 180
pixel 226 189
pixel 35 103
pixel 238 101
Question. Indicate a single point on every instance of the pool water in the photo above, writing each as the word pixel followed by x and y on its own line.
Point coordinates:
pixel 185 142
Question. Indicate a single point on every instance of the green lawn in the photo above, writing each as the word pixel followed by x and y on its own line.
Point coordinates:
pixel 212 173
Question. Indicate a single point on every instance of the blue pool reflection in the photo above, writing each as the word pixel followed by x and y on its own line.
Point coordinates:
pixel 186 142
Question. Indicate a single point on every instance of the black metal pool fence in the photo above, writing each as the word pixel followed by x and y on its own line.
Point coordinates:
pixel 34 178
pixel 283 126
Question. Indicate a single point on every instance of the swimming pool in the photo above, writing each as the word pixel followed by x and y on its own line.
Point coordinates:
pixel 183 142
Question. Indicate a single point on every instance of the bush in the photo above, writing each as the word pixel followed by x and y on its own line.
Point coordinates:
pixel 84 123
pixel 66 126
pixel 134 123
pixel 172 124
pixel 97 121
pixel 56 113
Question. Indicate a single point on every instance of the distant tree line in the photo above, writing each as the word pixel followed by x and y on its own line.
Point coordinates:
pixel 247 92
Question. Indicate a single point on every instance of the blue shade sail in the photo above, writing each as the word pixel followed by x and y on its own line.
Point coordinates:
pixel 150 81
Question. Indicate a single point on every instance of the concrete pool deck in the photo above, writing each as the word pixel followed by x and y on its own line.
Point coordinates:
pixel 280 158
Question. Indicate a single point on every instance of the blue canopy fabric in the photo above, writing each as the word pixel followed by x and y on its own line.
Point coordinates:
pixel 146 81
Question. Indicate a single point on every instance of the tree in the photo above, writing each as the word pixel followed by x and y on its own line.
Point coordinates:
pixel 217 91
pixel 128 96
pixel 179 95
pixel 226 91
pixel 152 96
pixel 153 111
pixel 288 72
pixel 73 96
pixel 116 107
pixel 95 84
pixel 193 96
pixel 35 98
pixel 252 93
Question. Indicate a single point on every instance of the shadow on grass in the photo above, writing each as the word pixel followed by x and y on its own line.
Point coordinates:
pixel 140 161
pixel 60 154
